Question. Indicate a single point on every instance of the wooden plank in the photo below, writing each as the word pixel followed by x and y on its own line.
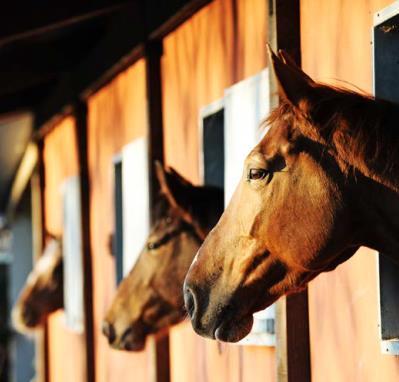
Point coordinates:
pixel 117 116
pixel 153 52
pixel 288 27
pixel 67 348
pixel 22 178
pixel 233 34
pixel 36 20
pixel 292 319
pixel 298 341
pixel 44 341
pixel 177 14
pixel 80 114
pixel 163 359
pixel 37 241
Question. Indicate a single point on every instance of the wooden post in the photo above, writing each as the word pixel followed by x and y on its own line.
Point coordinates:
pixel 292 314
pixel 159 347
pixel 42 358
pixel 37 246
pixel 153 54
pixel 80 113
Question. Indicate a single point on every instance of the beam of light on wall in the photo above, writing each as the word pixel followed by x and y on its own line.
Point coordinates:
pixel 136 204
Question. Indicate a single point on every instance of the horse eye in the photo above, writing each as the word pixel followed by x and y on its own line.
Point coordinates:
pixel 151 246
pixel 257 174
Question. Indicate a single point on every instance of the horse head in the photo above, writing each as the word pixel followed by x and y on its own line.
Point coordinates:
pixel 150 298
pixel 321 183
pixel 43 290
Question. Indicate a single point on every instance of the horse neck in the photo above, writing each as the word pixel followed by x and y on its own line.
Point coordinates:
pixel 378 216
pixel 387 177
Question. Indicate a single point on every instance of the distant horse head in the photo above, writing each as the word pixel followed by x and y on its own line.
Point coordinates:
pixel 43 290
pixel 150 298
pixel 323 181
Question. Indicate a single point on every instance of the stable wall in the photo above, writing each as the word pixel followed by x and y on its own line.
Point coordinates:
pixel 116 116
pixel 222 44
pixel 343 304
pixel 67 355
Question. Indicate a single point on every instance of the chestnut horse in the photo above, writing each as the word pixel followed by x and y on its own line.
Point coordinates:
pixel 322 182
pixel 150 298
pixel 43 291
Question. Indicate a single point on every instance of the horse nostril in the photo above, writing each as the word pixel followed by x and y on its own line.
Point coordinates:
pixel 189 301
pixel 126 334
pixel 109 332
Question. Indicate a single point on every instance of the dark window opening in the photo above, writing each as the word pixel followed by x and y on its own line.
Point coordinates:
pixel 213 147
pixel 118 236
pixel 386 85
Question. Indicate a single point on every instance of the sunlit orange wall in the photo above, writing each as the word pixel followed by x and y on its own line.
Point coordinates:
pixel 220 45
pixel 67 349
pixel 116 116
pixel 343 304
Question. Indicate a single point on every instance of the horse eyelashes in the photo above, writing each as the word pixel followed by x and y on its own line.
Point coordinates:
pixel 255 174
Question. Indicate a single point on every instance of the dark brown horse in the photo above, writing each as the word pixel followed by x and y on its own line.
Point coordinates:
pixel 323 181
pixel 150 298
pixel 43 291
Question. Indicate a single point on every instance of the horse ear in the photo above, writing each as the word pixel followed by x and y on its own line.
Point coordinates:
pixel 288 60
pixel 172 185
pixel 183 196
pixel 293 84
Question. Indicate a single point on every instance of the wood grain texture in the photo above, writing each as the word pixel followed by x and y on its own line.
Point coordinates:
pixel 219 46
pixel 66 349
pixel 292 317
pixel 116 116
pixel 343 305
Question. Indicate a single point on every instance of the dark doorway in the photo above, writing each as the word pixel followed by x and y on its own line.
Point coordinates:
pixel 118 237
pixel 386 85
pixel 213 147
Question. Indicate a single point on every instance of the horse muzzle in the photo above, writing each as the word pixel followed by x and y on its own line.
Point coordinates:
pixel 128 340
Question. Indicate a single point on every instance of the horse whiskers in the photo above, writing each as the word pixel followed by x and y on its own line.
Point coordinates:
pixel 184 312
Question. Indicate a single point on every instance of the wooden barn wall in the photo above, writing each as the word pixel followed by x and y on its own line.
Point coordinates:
pixel 220 45
pixel 116 116
pixel 343 305
pixel 67 349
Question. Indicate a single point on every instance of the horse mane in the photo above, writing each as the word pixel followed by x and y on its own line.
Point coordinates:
pixel 196 202
pixel 361 130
